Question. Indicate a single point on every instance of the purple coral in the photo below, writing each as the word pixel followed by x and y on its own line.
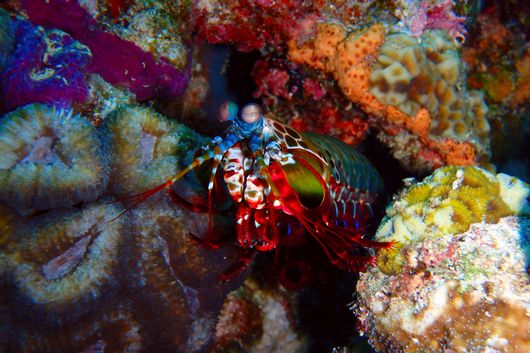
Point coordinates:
pixel 118 61
pixel 437 14
pixel 45 67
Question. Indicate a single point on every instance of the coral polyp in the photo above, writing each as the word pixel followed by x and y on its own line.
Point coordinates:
pixel 143 146
pixel 50 158
pixel 64 262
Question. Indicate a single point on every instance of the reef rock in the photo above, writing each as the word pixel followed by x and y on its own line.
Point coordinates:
pixel 456 278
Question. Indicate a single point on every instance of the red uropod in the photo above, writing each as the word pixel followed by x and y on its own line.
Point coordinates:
pixel 277 176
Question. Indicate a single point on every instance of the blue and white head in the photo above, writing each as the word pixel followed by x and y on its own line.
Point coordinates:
pixel 250 119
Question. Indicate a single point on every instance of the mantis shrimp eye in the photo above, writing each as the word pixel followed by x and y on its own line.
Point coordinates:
pixel 251 113
pixel 227 111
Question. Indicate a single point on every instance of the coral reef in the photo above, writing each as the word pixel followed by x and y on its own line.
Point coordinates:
pixel 447 202
pixel 252 25
pixel 394 78
pixel 456 278
pixel 458 293
pixel 101 101
pixel 152 28
pixel 46 66
pixel 307 101
pixel 144 148
pixel 92 276
pixel 255 319
pixel 417 16
pixel 118 61
pixel 65 262
pixel 50 158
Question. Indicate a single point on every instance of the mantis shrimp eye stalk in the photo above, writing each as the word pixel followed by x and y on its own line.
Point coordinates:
pixel 251 113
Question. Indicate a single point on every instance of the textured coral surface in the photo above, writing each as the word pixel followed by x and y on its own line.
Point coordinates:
pixel 411 87
pixel 447 202
pixel 461 293
pixel 456 278
pixel 89 277
pixel 102 100
pixel 50 158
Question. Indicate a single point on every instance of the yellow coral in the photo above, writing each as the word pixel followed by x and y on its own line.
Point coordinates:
pixel 448 202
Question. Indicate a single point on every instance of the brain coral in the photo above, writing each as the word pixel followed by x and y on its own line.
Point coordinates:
pixel 144 146
pixel 65 260
pixel 78 279
pixel 407 86
pixel 447 202
pixel 50 158
pixel 176 278
pixel 456 279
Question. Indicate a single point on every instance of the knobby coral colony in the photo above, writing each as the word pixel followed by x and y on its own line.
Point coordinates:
pixel 447 202
pixel 411 85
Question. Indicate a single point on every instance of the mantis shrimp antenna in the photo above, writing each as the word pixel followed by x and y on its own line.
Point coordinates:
pixel 240 128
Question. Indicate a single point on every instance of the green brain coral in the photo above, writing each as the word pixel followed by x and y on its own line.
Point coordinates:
pixel 447 202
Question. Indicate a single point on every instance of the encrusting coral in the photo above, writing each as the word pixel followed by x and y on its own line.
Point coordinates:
pixel 151 27
pixel 50 158
pixel 464 293
pixel 456 278
pixel 393 78
pixel 45 66
pixel 257 319
pixel 447 202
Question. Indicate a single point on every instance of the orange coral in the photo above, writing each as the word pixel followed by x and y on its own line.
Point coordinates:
pixel 349 57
